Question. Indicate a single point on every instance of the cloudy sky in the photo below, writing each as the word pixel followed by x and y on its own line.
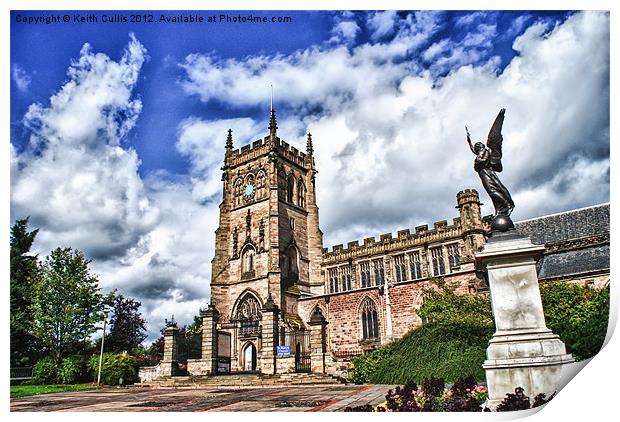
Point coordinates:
pixel 118 129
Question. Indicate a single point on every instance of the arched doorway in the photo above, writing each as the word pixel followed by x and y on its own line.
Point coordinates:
pixel 249 357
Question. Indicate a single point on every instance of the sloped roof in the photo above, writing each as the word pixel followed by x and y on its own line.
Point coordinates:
pixel 562 229
pixel 566 225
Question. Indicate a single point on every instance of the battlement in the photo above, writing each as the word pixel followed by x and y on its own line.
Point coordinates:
pixel 290 152
pixel 387 241
pixel 467 196
pixel 261 146
pixel 440 232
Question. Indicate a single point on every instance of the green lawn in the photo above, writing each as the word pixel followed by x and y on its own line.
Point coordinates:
pixel 32 390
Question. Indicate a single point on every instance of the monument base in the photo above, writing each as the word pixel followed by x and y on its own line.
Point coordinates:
pixel 530 359
pixel 523 352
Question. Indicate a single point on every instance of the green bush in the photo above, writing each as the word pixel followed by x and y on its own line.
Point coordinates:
pixel 45 371
pixel 578 314
pixel 71 370
pixel 453 344
pixel 114 367
pixel 441 349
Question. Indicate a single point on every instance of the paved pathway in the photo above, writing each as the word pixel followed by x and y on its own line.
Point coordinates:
pixel 265 399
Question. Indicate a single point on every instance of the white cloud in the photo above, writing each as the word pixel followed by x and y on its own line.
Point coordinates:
pixel 76 180
pixel 169 269
pixel 382 24
pixel 389 144
pixel 389 140
pixel 21 78
pixel 346 31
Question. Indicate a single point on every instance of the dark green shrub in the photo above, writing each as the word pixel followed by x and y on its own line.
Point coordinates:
pixel 71 370
pixel 45 372
pixel 443 349
pixel 114 367
pixel 451 346
pixel 578 314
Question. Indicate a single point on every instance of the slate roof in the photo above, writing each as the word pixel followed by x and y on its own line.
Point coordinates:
pixel 565 226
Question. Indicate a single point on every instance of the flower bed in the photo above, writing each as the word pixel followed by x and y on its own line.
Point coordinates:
pixel 465 395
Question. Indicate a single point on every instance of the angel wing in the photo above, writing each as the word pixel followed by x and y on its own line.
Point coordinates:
pixel 494 141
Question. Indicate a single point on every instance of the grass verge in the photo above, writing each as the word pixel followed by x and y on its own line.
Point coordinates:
pixel 33 390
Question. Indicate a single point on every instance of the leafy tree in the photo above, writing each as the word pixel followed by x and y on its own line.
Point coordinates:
pixel 578 314
pixel 189 340
pixel 23 275
pixel 66 304
pixel 156 350
pixel 127 326
pixel 441 302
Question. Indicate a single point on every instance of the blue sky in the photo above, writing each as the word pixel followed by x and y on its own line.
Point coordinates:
pixel 46 51
pixel 118 130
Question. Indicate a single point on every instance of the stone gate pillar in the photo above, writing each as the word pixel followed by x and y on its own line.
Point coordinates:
pixel 317 341
pixel 209 339
pixel 523 352
pixel 269 337
pixel 169 364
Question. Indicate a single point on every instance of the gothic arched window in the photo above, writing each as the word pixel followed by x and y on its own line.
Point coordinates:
pixel 301 193
pixel 238 190
pixel 281 185
pixel 260 184
pixel 248 314
pixel 247 260
pixel 370 320
pixel 290 189
pixel 292 264
pixel 248 308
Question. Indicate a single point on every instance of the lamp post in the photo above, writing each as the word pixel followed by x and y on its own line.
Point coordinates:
pixel 105 320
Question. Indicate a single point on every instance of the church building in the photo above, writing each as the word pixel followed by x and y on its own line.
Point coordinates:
pixel 282 303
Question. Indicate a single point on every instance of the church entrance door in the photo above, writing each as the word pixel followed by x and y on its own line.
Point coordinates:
pixel 249 357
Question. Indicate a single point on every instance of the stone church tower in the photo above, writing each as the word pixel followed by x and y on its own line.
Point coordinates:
pixel 268 245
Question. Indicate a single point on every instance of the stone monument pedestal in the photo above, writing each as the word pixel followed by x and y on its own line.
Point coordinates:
pixel 523 352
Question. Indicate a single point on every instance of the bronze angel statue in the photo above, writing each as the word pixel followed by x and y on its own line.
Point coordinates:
pixel 488 163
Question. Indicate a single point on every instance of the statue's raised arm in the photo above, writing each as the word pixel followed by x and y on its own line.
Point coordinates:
pixel 471 146
pixel 488 162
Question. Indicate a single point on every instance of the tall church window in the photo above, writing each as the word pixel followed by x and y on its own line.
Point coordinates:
pixel 370 320
pixel 290 189
pixel 247 260
pixel 438 262
pixel 365 274
pixel 248 314
pixel 400 267
pixel 333 280
pixel 378 272
pixel 238 191
pixel 301 193
pixel 281 185
pixel 260 184
pixel 415 266
pixel 454 255
pixel 291 264
pixel 345 278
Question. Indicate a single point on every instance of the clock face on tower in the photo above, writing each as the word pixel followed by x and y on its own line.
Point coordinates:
pixel 248 191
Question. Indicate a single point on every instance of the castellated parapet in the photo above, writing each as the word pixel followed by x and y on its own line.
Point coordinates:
pixel 469 223
pixel 264 146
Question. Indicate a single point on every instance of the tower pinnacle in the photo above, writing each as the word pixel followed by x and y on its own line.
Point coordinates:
pixel 229 140
pixel 273 127
pixel 272 119
pixel 309 147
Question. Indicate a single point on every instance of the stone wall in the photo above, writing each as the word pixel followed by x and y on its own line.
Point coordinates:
pixel 342 311
pixel 285 364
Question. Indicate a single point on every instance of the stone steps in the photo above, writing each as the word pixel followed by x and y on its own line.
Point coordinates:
pixel 243 380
